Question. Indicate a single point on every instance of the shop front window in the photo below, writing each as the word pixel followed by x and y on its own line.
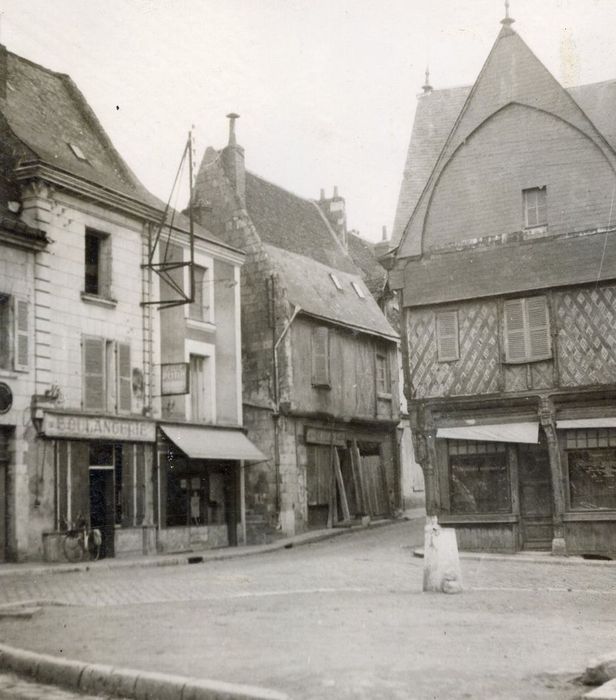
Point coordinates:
pixel 592 479
pixel 478 477
pixel 195 494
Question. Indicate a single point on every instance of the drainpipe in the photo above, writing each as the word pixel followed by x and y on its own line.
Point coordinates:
pixel 285 330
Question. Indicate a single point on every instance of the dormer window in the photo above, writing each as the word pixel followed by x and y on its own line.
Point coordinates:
pixel 77 152
pixel 358 290
pixel 336 281
pixel 535 207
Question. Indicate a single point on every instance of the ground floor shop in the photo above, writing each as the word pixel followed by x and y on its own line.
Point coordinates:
pixel 536 475
pixel 200 486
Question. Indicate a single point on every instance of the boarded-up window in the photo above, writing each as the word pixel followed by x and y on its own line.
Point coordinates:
pixel 535 207
pixel 21 334
pixel 94 385
pixel 124 378
pixel 527 330
pixel 320 356
pixel 447 336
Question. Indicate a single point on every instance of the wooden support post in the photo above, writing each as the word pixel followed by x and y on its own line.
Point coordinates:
pixel 362 499
pixel 340 481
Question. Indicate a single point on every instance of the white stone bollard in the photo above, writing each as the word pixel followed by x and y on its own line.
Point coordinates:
pixel 441 562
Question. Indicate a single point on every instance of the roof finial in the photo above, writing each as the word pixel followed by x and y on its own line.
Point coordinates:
pixel 507 21
pixel 232 116
pixel 426 87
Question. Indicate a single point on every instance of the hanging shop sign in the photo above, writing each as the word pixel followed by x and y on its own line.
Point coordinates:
pixel 174 379
pixel 80 427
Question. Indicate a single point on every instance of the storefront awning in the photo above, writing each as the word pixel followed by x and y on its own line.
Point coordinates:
pixel 500 432
pixel 586 423
pixel 212 443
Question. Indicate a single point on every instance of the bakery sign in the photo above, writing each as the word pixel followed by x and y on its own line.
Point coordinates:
pixel 174 379
pixel 82 427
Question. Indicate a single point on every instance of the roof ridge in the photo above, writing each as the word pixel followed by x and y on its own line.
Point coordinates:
pixel 35 64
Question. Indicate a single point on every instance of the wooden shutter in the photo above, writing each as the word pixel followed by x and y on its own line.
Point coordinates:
pixel 124 377
pixel 320 356
pixel 538 327
pixel 94 374
pixel 21 335
pixel 447 336
pixel 515 343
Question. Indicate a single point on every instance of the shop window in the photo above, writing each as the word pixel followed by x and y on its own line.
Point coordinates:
pixel 478 477
pixel 320 356
pixel 527 329
pixel 194 496
pixel 97 279
pixel 591 459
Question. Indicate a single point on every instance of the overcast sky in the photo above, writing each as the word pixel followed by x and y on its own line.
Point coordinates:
pixel 326 89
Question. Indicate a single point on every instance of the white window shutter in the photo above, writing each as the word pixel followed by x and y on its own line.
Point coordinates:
pixel 514 330
pixel 94 394
pixel 320 356
pixel 124 377
pixel 538 327
pixel 447 336
pixel 21 335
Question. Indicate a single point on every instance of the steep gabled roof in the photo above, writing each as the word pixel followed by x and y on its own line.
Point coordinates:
pixel 292 223
pixel 310 286
pixel 49 115
pixel 372 272
pixel 444 119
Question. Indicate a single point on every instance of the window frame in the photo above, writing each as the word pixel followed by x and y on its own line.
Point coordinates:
pixel 113 384
pixel 539 193
pixel 317 380
pixel 208 352
pixel 527 330
pixel 383 391
pixel 438 316
pixel 604 439
pixel 103 264
pixel 208 321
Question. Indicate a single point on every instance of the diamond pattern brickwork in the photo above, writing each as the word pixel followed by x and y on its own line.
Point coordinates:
pixel 586 320
pixel 477 369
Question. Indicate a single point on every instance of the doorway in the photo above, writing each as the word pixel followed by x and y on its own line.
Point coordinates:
pixel 101 508
pixel 536 496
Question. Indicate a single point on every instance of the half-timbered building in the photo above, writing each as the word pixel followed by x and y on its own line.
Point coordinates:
pixel 506 259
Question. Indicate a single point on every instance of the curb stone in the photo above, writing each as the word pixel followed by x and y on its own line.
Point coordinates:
pixel 542 558
pixel 125 682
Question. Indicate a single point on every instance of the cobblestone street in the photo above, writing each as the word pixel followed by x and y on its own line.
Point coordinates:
pixel 344 618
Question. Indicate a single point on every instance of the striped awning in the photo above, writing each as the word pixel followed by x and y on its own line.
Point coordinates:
pixel 497 432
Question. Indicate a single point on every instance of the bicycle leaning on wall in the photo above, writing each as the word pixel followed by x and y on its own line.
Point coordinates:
pixel 82 542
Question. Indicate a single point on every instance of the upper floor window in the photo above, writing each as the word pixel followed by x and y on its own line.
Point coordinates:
pixel 199 400
pixel 527 330
pixel 97 264
pixel 200 308
pixel 382 373
pixel 447 336
pixel 14 333
pixel 320 356
pixel 535 207
pixel 107 382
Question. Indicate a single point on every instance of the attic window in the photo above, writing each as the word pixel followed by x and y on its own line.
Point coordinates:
pixel 78 152
pixel 358 290
pixel 336 281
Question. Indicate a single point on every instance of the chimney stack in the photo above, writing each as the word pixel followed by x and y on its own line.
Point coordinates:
pixel 233 160
pixel 334 211
pixel 426 87
pixel 382 247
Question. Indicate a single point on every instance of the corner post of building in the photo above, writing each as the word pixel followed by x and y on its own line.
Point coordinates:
pixel 424 446
pixel 547 418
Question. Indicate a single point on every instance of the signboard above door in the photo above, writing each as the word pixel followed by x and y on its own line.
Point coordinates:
pixel 174 378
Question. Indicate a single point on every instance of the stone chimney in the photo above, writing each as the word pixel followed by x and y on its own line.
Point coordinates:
pixel 3 71
pixel 382 247
pixel 233 161
pixel 334 210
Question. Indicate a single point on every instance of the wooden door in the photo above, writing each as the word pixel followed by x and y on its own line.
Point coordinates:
pixel 102 514
pixel 536 496
pixel 374 491
pixel 319 484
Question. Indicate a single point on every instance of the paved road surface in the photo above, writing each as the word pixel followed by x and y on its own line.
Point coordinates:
pixel 344 618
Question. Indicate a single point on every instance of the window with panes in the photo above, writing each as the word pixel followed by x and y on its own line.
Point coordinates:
pixel 591 467
pixel 97 263
pixel 478 477
pixel 535 207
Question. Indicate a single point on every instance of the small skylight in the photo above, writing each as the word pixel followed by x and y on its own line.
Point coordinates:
pixel 77 151
pixel 336 281
pixel 358 290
